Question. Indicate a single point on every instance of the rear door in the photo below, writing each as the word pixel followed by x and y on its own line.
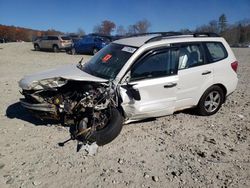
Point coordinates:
pixel 43 42
pixel 155 77
pixel 195 74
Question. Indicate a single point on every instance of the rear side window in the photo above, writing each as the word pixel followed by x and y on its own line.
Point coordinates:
pixel 65 38
pixel 190 55
pixel 52 38
pixel 216 51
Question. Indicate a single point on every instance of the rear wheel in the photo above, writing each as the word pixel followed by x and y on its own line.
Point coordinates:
pixel 36 47
pixel 211 101
pixel 55 48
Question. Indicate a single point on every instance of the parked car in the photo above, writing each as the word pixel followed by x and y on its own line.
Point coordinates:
pixel 55 43
pixel 2 40
pixel 133 79
pixel 90 44
pixel 75 38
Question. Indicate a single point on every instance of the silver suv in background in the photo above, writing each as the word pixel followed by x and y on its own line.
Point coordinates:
pixel 55 43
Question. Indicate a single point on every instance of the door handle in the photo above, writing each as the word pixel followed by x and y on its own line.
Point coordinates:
pixel 169 85
pixel 206 72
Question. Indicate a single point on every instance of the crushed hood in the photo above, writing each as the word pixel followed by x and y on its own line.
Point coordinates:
pixel 56 78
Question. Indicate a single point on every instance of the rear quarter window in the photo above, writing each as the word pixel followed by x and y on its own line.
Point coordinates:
pixel 216 51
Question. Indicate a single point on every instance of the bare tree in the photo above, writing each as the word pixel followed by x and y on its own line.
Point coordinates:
pixel 106 28
pixel 80 32
pixel 97 29
pixel 212 27
pixel 131 30
pixel 185 31
pixel 142 26
pixel 121 30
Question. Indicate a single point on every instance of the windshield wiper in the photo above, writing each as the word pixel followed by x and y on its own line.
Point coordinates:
pixel 80 65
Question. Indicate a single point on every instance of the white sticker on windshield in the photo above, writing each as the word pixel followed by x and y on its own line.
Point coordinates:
pixel 128 49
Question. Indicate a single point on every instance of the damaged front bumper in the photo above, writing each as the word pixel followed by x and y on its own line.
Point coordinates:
pixel 44 107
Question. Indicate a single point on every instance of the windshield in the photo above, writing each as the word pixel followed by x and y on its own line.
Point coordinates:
pixel 108 62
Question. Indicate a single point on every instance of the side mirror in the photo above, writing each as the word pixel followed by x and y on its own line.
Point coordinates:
pixel 135 94
pixel 132 92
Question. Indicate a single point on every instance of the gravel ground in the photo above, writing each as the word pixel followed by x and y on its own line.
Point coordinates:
pixel 181 150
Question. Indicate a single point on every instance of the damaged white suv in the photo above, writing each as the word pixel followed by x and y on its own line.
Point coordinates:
pixel 132 79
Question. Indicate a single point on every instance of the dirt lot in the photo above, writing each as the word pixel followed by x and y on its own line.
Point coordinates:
pixel 181 150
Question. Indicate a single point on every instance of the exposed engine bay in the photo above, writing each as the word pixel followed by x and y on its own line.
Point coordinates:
pixel 88 108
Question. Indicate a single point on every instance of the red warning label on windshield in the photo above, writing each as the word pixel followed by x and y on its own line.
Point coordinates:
pixel 106 58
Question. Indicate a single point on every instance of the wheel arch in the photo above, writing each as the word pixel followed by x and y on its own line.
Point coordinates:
pixel 55 45
pixel 224 89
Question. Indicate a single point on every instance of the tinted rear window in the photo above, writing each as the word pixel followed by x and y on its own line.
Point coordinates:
pixel 52 38
pixel 216 51
pixel 65 38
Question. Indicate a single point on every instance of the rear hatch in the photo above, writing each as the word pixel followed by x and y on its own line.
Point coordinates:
pixel 65 41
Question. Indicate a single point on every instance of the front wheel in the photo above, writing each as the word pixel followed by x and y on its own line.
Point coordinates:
pixel 55 48
pixel 104 135
pixel 73 51
pixel 95 50
pixel 211 101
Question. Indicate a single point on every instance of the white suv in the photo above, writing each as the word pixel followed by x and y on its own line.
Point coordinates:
pixel 132 79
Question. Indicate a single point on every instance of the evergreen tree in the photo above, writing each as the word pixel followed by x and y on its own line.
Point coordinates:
pixel 222 23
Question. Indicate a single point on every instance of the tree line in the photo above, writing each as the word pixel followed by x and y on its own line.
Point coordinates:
pixel 13 34
pixel 236 34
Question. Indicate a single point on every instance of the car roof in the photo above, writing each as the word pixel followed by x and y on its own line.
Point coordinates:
pixel 134 41
pixel 138 41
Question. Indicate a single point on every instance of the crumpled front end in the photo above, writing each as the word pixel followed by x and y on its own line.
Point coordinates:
pixel 86 107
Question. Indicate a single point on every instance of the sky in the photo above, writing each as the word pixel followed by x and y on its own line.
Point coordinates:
pixel 164 15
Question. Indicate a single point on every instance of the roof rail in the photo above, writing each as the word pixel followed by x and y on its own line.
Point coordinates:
pixel 205 34
pixel 155 33
pixel 162 35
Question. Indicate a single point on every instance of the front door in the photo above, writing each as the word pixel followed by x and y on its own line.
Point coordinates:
pixel 155 77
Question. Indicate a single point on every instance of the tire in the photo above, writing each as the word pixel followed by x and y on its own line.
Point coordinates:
pixel 73 51
pixel 211 101
pixel 55 48
pixel 36 47
pixel 95 50
pixel 112 130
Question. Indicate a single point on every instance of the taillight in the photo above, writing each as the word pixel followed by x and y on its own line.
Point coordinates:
pixel 234 66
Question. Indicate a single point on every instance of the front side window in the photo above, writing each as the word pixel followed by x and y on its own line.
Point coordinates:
pixel 216 51
pixel 158 64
